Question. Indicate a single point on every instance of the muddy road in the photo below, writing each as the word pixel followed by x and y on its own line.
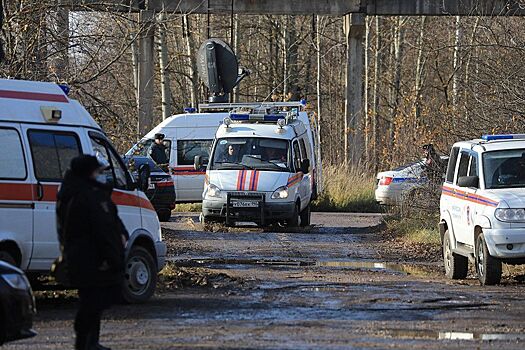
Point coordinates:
pixel 341 284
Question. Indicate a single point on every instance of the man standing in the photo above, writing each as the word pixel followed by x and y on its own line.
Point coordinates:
pixel 92 240
pixel 157 151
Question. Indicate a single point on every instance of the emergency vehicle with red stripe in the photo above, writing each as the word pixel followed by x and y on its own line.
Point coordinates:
pixel 41 130
pixel 483 207
pixel 262 167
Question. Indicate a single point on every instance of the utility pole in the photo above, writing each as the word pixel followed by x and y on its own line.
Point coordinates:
pixel 163 62
pixel 354 25
pixel 146 71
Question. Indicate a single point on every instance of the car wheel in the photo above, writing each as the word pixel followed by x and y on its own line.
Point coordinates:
pixel 306 216
pixel 7 257
pixel 456 266
pixel 294 220
pixel 164 215
pixel 140 276
pixel 487 266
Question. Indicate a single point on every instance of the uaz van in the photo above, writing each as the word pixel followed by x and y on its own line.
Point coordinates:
pixel 262 167
pixel 41 130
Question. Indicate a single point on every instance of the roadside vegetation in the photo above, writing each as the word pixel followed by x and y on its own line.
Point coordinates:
pixel 348 190
pixel 188 207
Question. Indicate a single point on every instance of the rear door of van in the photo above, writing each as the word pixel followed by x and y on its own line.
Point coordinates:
pixel 16 197
pixel 51 150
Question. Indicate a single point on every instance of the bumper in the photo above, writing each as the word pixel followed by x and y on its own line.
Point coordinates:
pixel 387 196
pixel 19 311
pixel 161 249
pixel 162 198
pixel 499 240
pixel 273 211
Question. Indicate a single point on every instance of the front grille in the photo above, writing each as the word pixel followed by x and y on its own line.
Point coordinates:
pixel 246 195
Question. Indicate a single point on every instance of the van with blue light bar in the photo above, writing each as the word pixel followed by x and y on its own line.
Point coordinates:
pixel 482 206
pixel 262 167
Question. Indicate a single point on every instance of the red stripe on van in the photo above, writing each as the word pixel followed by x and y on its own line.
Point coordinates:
pixel 36 96
pixel 16 192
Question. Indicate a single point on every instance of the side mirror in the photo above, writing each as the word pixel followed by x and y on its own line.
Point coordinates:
pixel 468 181
pixel 305 166
pixel 197 163
pixel 143 177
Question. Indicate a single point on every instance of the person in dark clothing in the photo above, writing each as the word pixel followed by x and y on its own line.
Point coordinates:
pixel 92 240
pixel 157 151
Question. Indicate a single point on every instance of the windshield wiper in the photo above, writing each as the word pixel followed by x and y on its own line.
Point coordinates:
pixel 235 163
pixel 268 161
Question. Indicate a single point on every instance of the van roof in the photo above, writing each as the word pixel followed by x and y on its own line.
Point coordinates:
pixel 188 120
pixel 21 101
pixel 269 130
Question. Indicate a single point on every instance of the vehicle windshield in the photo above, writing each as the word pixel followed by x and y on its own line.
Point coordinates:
pixel 504 169
pixel 251 153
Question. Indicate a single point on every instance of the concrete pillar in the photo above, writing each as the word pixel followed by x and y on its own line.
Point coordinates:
pixel 146 72
pixel 354 25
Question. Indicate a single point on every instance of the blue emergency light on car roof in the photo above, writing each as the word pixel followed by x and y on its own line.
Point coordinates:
pixel 257 117
pixel 65 88
pixel 189 110
pixel 502 137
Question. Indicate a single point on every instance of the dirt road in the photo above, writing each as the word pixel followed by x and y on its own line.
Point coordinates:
pixel 338 285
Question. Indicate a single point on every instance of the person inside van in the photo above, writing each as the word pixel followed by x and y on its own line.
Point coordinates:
pixel 277 155
pixel 92 239
pixel 157 151
pixel 230 156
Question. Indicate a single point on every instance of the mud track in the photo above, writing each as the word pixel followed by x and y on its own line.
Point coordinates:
pixel 340 284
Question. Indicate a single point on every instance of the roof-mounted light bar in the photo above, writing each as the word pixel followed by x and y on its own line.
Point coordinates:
pixel 502 137
pixel 264 118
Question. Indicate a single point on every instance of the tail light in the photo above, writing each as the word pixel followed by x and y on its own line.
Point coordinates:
pixel 385 181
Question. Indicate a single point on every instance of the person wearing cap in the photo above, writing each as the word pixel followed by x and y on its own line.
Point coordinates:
pixel 92 241
pixel 157 152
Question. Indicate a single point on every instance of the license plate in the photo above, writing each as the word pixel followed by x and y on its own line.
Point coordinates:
pixel 245 204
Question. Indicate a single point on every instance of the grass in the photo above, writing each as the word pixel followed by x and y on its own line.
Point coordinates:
pixel 347 190
pixel 417 229
pixel 188 207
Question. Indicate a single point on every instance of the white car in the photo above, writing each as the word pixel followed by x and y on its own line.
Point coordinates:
pixel 41 130
pixel 483 207
pixel 262 168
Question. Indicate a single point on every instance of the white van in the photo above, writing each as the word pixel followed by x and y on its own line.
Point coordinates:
pixel 41 130
pixel 262 168
pixel 186 136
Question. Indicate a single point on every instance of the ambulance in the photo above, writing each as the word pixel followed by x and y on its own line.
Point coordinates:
pixel 41 130
pixel 483 207
pixel 262 167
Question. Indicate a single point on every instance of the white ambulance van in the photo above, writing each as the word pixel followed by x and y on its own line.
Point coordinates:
pixel 262 167
pixel 41 130
pixel 186 136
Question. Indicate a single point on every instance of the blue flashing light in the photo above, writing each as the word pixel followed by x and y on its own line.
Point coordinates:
pixel 189 110
pixel 273 117
pixel 496 137
pixel 65 88
pixel 303 101
pixel 239 117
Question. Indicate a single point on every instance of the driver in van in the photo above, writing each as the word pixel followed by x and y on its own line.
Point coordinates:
pixel 275 154
pixel 157 152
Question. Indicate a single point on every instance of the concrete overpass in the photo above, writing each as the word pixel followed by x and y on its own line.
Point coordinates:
pixel 354 11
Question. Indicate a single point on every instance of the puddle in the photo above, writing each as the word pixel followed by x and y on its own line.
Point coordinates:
pixel 408 269
pixel 428 334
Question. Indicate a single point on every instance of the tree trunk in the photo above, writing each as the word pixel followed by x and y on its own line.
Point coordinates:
pixel 317 28
pixel 420 65
pixel 458 38
pixel 162 48
pixel 192 61
pixel 378 64
pixel 396 84
pixel 366 91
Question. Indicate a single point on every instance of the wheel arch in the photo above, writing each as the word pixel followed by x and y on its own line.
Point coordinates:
pixel 142 239
pixel 12 247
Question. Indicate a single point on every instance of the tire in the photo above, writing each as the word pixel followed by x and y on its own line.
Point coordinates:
pixel 7 257
pixel 306 215
pixel 456 266
pixel 164 215
pixel 487 266
pixel 294 220
pixel 140 276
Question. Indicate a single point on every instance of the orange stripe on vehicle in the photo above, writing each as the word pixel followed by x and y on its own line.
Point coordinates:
pixel 256 184
pixel 470 197
pixel 239 177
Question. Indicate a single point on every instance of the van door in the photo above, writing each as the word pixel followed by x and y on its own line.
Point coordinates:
pixel 468 166
pixel 306 183
pixel 188 181
pixel 124 196
pixel 51 153
pixel 16 195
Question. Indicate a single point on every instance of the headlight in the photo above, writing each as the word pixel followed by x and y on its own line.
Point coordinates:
pixel 213 191
pixel 510 215
pixel 16 281
pixel 280 193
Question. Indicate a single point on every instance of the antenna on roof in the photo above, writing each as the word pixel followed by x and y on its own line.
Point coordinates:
pixel 219 69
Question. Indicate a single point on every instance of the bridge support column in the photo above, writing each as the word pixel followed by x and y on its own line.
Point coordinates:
pixel 354 25
pixel 146 72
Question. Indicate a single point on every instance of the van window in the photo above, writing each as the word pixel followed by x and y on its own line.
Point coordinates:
pixel 304 153
pixel 452 164
pixel 473 169
pixel 52 153
pixel 142 148
pixel 12 156
pixel 188 149
pixel 296 156
pixel 463 164
pixel 115 175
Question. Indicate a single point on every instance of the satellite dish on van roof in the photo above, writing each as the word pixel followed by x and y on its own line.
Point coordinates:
pixel 219 69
